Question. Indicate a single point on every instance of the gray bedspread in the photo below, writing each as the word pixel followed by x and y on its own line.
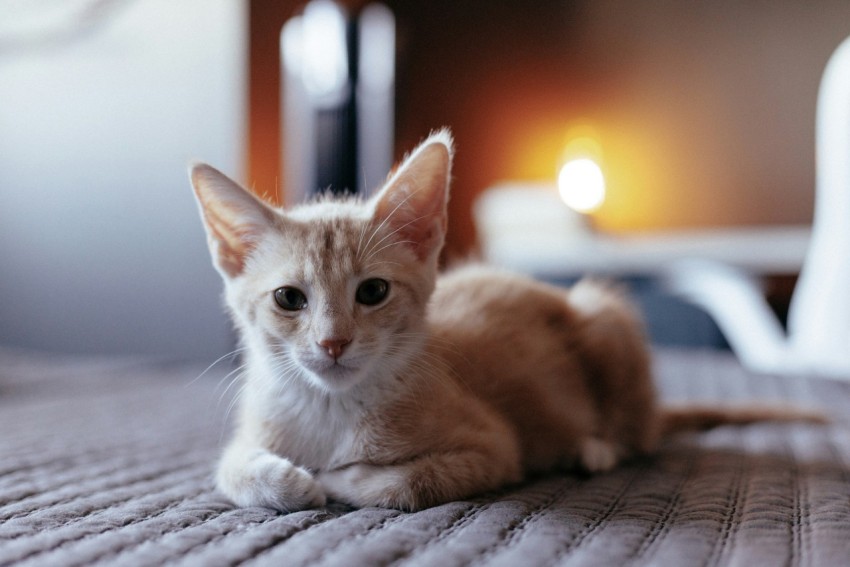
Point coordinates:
pixel 108 461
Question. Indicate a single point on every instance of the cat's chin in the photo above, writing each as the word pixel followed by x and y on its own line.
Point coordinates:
pixel 336 377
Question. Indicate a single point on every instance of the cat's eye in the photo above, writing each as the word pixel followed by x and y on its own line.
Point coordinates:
pixel 290 298
pixel 372 292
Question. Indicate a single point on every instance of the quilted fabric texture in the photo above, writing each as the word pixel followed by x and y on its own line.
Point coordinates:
pixel 106 461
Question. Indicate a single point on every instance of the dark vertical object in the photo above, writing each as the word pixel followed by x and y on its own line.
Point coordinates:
pixel 335 167
pixel 337 103
pixel 336 132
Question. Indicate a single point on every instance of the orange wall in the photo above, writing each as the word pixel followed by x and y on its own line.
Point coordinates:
pixel 704 110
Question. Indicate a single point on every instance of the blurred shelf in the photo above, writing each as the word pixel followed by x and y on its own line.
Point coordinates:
pixel 769 250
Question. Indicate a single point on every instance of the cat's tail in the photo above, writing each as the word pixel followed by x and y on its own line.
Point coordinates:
pixel 676 419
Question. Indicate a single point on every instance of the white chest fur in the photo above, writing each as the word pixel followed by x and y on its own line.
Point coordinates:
pixel 311 428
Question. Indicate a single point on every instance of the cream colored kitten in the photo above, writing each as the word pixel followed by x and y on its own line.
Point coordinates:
pixel 372 381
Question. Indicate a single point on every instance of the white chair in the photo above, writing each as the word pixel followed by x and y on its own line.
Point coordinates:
pixel 818 336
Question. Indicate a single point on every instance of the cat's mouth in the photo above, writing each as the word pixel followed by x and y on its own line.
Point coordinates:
pixel 334 374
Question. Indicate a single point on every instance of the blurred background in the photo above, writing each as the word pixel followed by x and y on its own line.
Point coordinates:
pixel 701 116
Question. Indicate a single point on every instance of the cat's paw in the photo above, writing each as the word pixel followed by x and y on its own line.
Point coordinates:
pixel 363 485
pixel 596 455
pixel 270 481
pixel 347 484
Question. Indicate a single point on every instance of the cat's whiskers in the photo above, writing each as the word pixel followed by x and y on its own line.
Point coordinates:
pixel 286 373
pixel 363 230
pixel 388 217
pixel 231 405
pixel 385 246
pixel 448 346
pixel 420 379
pixel 237 375
pixel 427 369
pixel 394 232
pixel 239 370
pixel 230 354
pixel 237 378
pixel 371 251
pixel 279 363
pixel 243 384
pixel 423 357
pixel 373 266
pixel 421 367
pixel 236 396
pixel 423 339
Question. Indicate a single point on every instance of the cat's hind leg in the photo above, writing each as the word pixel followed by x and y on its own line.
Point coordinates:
pixel 251 476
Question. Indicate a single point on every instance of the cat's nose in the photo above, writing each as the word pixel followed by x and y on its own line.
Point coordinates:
pixel 334 347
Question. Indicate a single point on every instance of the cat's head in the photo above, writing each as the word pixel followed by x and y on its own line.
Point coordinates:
pixel 333 292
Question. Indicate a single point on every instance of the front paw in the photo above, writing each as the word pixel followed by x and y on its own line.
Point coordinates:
pixel 341 484
pixel 270 481
pixel 359 485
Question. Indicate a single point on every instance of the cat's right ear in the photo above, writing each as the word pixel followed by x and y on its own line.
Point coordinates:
pixel 234 219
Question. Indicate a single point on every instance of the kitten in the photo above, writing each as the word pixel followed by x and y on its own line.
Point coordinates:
pixel 371 381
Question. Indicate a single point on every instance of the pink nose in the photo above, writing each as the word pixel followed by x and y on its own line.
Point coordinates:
pixel 334 347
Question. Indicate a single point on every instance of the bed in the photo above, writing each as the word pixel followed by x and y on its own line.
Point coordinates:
pixel 107 460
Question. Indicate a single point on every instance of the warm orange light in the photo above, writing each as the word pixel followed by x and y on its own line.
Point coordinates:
pixel 634 157
pixel 581 184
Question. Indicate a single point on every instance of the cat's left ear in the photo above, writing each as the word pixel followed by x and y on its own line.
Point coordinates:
pixel 233 217
pixel 413 202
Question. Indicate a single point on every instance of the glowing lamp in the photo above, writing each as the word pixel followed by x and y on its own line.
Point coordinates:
pixel 582 185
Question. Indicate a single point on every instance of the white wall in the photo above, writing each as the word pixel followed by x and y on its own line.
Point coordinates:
pixel 101 246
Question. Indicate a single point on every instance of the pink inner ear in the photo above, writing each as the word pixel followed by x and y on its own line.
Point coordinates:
pixel 231 245
pixel 419 222
pixel 414 202
pixel 423 236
